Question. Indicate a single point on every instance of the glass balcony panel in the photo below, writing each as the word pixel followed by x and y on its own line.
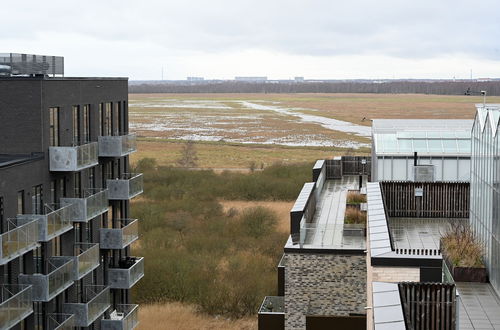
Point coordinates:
pixel 86 259
pixel 15 304
pixel 95 301
pixel 126 187
pixel 19 238
pixel 61 321
pixel 59 277
pixel 124 317
pixel 119 238
pixel 54 222
pixel 93 203
pixel 76 158
pixel 128 273
pixel 117 146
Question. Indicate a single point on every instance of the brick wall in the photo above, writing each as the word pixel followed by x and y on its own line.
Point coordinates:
pixel 323 284
pixel 395 274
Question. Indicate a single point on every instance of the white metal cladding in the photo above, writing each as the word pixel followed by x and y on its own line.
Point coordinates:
pixel 485 187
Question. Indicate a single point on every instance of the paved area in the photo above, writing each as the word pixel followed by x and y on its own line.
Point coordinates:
pixel 327 226
pixel 479 307
pixel 419 233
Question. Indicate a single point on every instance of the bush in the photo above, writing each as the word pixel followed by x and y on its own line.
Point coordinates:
pixel 354 216
pixel 354 197
pixel 461 247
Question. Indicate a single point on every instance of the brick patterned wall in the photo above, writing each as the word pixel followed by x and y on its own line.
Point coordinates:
pixel 323 284
pixel 395 274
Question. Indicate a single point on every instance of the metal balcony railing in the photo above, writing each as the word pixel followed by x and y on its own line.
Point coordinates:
pixel 60 322
pixel 121 237
pixel 94 302
pixel 128 273
pixel 15 304
pixel 54 222
pixel 126 187
pixel 75 158
pixel 17 240
pixel 86 259
pixel 59 277
pixel 124 317
pixel 117 146
pixel 93 203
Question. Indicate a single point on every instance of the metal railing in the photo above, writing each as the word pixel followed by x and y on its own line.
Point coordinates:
pixel 94 302
pixel 126 187
pixel 93 203
pixel 54 221
pixel 19 239
pixel 15 304
pixel 124 317
pixel 119 238
pixel 58 278
pixel 272 304
pixel 73 158
pixel 86 259
pixel 117 145
pixel 60 321
pixel 127 275
pixel 31 64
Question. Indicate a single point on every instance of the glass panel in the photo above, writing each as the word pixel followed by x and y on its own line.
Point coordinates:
pixel 420 145
pixel 450 146
pixel 435 146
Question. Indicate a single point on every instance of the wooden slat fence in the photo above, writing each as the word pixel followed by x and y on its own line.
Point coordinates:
pixel 438 200
pixel 347 165
pixel 429 306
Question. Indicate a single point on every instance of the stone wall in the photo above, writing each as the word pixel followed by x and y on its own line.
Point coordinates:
pixel 323 285
pixel 395 274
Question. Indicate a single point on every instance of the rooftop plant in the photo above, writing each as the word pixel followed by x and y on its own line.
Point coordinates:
pixel 354 216
pixel 462 247
pixel 354 197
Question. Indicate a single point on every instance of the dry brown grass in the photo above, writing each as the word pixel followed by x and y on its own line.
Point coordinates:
pixel 354 197
pixel 462 248
pixel 282 209
pixel 177 316
pixel 354 216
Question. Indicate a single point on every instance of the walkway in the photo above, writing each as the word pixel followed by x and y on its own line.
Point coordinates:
pixel 479 308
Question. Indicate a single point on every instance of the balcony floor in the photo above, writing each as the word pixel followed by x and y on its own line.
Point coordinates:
pixel 479 307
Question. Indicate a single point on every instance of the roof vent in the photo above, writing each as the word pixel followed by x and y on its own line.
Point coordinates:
pixel 13 64
pixel 423 173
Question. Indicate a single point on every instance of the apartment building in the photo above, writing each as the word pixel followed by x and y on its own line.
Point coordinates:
pixel 65 191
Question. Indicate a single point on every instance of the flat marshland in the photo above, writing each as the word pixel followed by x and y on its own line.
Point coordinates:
pixel 212 236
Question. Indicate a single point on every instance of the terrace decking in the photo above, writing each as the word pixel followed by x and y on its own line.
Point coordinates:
pixel 479 306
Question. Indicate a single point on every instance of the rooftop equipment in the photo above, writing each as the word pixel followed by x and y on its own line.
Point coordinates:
pixel 14 64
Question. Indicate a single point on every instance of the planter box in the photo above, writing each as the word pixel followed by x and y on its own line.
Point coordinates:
pixel 467 274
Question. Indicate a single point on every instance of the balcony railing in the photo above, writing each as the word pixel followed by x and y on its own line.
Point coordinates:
pixel 60 321
pixel 54 222
pixel 70 159
pixel 126 187
pixel 17 240
pixel 86 259
pixel 15 304
pixel 59 277
pixel 128 273
pixel 120 238
pixel 93 203
pixel 117 146
pixel 95 301
pixel 124 317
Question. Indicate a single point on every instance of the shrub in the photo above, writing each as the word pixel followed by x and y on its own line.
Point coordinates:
pixel 461 247
pixel 354 216
pixel 258 220
pixel 354 197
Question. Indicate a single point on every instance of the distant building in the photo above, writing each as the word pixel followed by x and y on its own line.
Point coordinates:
pixel 195 78
pixel 251 79
pixel 299 79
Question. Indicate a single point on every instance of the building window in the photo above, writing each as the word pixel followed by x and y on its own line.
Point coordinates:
pixel 37 199
pixel 91 178
pixel 116 119
pixel 76 125
pixel 77 178
pixel 86 123
pixel 54 126
pixel 62 187
pixel 53 191
pixel 101 126
pixel 106 120
pixel 20 202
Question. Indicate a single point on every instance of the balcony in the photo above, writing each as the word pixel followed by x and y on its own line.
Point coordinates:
pixel 86 259
pixel 119 238
pixel 60 322
pixel 93 203
pixel 124 317
pixel 126 187
pixel 95 301
pixel 17 240
pixel 59 277
pixel 127 274
pixel 71 159
pixel 117 146
pixel 54 222
pixel 15 304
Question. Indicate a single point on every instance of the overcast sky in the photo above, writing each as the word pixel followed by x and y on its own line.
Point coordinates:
pixel 275 38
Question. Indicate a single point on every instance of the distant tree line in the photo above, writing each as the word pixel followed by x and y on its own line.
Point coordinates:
pixel 391 87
